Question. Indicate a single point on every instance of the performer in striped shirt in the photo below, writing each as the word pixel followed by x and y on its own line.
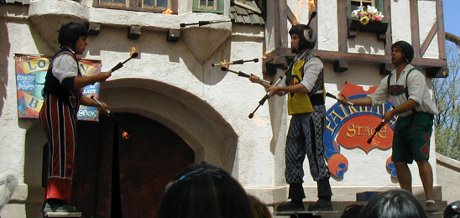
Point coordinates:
pixel 62 98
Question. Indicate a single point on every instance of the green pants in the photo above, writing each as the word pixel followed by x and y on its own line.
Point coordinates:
pixel 411 138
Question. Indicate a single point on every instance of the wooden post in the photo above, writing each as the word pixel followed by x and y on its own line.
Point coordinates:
pixel 282 31
pixel 441 33
pixel 414 23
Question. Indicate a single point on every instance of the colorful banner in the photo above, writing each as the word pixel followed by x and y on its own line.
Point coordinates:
pixel 30 80
pixel 352 127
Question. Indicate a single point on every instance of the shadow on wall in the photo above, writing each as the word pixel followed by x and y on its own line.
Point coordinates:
pixel 156 53
pixel 34 144
pixel 4 54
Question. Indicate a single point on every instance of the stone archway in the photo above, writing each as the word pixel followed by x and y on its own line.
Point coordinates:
pixel 208 134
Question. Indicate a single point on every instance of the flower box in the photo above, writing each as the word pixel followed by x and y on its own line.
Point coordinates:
pixel 374 27
pixel 367 19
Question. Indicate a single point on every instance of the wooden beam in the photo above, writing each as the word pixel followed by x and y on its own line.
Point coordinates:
pixel 94 29
pixel 340 66
pixel 314 22
pixel 134 32
pixel 387 18
pixel 453 38
pixel 280 24
pixel 341 60
pixel 428 39
pixel 247 7
pixel 291 16
pixel 374 59
pixel 414 23
pixel 283 30
pixel 429 62
pixel 342 25
pixel 351 57
pixel 385 68
pixel 441 33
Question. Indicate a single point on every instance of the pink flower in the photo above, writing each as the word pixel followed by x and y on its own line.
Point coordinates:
pixel 377 18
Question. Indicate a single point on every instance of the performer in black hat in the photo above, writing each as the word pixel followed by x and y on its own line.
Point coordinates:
pixel 407 88
pixel 304 85
pixel 58 115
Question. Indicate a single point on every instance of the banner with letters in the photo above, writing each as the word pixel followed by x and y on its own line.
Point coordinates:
pixel 30 80
pixel 350 127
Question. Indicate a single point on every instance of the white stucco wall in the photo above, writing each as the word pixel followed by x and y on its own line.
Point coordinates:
pixel 400 17
pixel 17 36
pixel 328 33
pixel 259 162
pixel 427 14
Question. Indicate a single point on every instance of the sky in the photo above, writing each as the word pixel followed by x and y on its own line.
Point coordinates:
pixel 451 9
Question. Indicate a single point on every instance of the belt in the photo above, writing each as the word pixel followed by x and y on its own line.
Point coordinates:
pixel 317 99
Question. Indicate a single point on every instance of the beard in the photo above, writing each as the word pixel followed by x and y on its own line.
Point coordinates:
pixel 399 61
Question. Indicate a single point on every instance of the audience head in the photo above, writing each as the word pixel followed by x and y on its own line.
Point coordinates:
pixel 203 190
pixel 394 203
pixel 452 210
pixel 258 209
pixel 352 211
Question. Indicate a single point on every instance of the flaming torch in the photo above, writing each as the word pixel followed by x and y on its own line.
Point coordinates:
pixel 125 132
pixel 133 54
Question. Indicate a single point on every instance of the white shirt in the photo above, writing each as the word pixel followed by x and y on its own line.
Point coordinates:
pixel 64 66
pixel 311 70
pixel 418 91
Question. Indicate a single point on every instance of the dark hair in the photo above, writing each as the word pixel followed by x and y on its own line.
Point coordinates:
pixel 70 32
pixel 452 210
pixel 258 209
pixel 203 190
pixel 407 50
pixel 307 36
pixel 394 203
pixel 352 211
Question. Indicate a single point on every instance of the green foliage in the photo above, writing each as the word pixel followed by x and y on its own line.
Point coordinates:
pixel 447 97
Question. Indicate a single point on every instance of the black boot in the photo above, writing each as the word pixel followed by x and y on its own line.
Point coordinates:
pixel 57 205
pixel 296 194
pixel 324 196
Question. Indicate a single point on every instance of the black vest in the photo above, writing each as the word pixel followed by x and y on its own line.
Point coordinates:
pixel 52 85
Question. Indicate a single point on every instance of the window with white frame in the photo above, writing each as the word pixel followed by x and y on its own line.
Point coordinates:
pixel 213 6
pixel 163 4
pixel 139 5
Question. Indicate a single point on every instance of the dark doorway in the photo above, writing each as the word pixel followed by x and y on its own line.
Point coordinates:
pixel 126 178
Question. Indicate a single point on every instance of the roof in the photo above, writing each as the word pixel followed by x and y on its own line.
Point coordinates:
pixel 241 11
pixel 246 12
pixel 24 2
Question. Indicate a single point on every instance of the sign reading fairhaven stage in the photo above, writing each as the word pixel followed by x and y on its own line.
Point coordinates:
pixel 351 127
pixel 30 80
